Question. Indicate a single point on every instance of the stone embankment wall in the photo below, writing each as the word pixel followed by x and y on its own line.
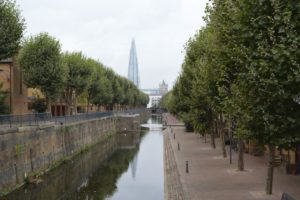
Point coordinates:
pixel 26 151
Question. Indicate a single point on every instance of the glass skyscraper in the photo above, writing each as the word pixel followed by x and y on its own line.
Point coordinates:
pixel 133 68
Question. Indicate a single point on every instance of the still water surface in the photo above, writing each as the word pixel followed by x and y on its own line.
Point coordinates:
pixel 126 167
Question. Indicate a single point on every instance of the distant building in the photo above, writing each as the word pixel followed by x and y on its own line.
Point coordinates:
pixel 163 88
pixel 133 68
pixel 155 94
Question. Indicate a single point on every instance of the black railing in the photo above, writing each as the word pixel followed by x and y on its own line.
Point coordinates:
pixel 81 117
pixel 35 119
pixel 24 120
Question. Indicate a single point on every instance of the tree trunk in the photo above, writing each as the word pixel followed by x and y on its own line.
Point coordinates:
pixel 68 98
pixel 75 102
pixel 213 143
pixel 241 155
pixel 88 105
pixel 223 143
pixel 222 134
pixel 269 184
pixel 48 102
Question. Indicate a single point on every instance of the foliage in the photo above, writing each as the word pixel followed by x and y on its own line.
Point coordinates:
pixel 108 88
pixel 244 64
pixel 78 78
pixel 39 105
pixel 12 26
pixel 40 60
pixel 4 109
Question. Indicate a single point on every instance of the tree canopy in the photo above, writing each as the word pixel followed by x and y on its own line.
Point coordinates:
pixel 244 64
pixel 12 26
pixel 41 62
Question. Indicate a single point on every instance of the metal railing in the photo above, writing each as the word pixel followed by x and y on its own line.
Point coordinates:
pixel 35 119
pixel 24 119
pixel 81 117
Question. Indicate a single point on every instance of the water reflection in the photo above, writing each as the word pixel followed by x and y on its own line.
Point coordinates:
pixel 127 166
pixel 146 182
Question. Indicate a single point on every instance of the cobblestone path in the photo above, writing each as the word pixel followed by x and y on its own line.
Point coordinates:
pixel 173 186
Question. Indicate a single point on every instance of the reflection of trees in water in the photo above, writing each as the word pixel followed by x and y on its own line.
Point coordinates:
pixel 92 175
pixel 103 183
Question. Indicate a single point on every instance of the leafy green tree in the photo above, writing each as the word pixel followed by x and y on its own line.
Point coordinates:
pixel 78 78
pixel 4 109
pixel 119 94
pixel 260 69
pixel 41 62
pixel 97 72
pixel 104 94
pixel 12 26
pixel 39 105
pixel 244 65
pixel 266 92
pixel 129 97
pixel 112 77
pixel 100 90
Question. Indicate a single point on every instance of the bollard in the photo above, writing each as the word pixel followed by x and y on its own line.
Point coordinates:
pixel 178 146
pixel 187 167
pixel 174 136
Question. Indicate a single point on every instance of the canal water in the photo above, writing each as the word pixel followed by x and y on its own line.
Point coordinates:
pixel 129 166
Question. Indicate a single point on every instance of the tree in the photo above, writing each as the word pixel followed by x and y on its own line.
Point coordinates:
pixel 94 87
pixel 119 94
pixel 111 76
pixel 39 105
pixel 78 78
pixel 104 94
pixel 12 26
pixel 4 109
pixel 41 62
pixel 261 69
pixel 266 91
pixel 244 65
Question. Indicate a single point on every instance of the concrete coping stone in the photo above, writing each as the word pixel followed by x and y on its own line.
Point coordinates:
pixel 80 122
pixel 128 115
pixel 47 125
pixel 26 128
pixel 8 130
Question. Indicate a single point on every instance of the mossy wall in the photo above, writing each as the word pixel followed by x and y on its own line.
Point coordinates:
pixel 30 150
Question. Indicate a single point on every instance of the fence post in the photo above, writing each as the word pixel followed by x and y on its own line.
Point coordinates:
pixel 187 167
pixel 36 117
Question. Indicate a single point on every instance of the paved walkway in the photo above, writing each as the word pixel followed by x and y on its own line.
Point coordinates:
pixel 211 177
pixel 173 184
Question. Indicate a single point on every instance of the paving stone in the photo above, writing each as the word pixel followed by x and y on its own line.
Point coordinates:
pixel 210 176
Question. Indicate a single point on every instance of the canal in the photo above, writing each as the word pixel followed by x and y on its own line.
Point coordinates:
pixel 126 166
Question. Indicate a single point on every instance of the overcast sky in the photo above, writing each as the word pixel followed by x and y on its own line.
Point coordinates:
pixel 103 29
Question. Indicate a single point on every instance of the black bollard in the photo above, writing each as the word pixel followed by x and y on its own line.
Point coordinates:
pixel 187 167
pixel 178 146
